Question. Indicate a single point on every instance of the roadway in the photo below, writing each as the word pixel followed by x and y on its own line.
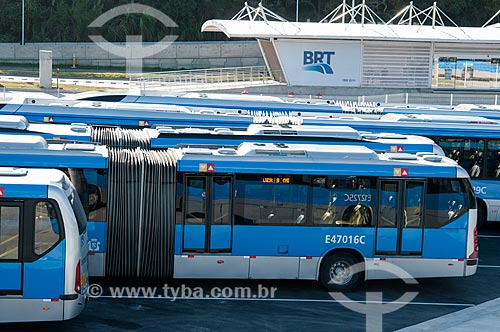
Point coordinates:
pixel 297 306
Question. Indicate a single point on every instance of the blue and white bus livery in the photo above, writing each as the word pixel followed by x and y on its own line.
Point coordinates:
pixel 43 246
pixel 272 211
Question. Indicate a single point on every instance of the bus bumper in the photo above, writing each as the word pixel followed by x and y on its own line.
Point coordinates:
pixel 471 267
pixel 73 308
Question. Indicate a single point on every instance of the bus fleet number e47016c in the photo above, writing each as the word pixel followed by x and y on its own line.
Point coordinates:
pixel 345 239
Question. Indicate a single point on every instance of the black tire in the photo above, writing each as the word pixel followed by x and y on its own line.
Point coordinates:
pixel 336 272
pixel 481 215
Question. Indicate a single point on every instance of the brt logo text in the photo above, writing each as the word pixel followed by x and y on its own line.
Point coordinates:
pixel 319 61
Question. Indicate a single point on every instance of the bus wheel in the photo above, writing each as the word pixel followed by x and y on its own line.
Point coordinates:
pixel 481 215
pixel 337 272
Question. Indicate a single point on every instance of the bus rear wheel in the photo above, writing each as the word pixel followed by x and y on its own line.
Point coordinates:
pixel 338 272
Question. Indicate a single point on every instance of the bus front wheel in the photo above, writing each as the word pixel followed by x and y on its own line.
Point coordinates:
pixel 340 273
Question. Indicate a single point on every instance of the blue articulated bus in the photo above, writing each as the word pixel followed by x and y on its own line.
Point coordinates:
pixel 132 117
pixel 220 102
pixel 43 246
pixel 489 112
pixel 168 137
pixel 310 212
pixel 303 107
pixel 162 137
pixel 88 164
pixel 294 106
pixel 314 210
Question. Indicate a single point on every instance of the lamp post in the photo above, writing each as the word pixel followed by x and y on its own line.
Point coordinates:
pixel 296 12
pixel 22 29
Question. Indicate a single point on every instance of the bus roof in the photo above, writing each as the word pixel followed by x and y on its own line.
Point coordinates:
pixel 17 124
pixel 19 175
pixel 30 183
pixel 423 128
pixel 314 159
pixel 13 122
pixel 34 151
pixel 340 132
pixel 129 117
pixel 437 118
pixel 164 137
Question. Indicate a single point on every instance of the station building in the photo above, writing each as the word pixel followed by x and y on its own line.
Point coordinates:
pixel 353 47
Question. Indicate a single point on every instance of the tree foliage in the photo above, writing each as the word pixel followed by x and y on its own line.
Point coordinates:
pixel 68 20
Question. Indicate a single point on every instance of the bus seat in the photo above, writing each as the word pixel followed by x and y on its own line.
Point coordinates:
pixel 300 219
pixel 475 171
pixel 356 215
pixel 360 216
pixel 329 216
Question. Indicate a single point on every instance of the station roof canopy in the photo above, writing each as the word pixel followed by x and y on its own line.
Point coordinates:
pixel 357 22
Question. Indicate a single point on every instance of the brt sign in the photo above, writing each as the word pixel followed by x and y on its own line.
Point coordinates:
pixel 319 61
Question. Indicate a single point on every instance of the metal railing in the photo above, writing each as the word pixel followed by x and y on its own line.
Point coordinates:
pixel 443 99
pixel 202 76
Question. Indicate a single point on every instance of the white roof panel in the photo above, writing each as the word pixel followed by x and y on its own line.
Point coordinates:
pixel 308 30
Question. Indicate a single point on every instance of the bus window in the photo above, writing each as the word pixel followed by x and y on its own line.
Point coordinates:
pixel 196 190
pixel 414 200
pixel 77 177
pixel 47 231
pixel 343 201
pixel 276 199
pixel 78 210
pixel 388 204
pixel 9 232
pixel 178 199
pixel 493 159
pixel 97 208
pixel 221 207
pixel 467 152
pixel 91 186
pixel 324 201
pixel 447 200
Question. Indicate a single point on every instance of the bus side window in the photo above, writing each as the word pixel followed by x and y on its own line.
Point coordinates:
pixel 447 200
pixel 47 232
pixel 9 232
pixel 493 159
pixel 96 208
pixel 467 152
pixel 388 204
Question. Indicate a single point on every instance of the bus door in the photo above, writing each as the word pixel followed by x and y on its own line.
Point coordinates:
pixel 400 221
pixel 10 248
pixel 208 211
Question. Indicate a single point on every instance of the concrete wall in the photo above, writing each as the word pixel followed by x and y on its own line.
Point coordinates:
pixel 179 55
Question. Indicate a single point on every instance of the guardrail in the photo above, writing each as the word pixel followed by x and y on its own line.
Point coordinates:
pixel 436 98
pixel 201 76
